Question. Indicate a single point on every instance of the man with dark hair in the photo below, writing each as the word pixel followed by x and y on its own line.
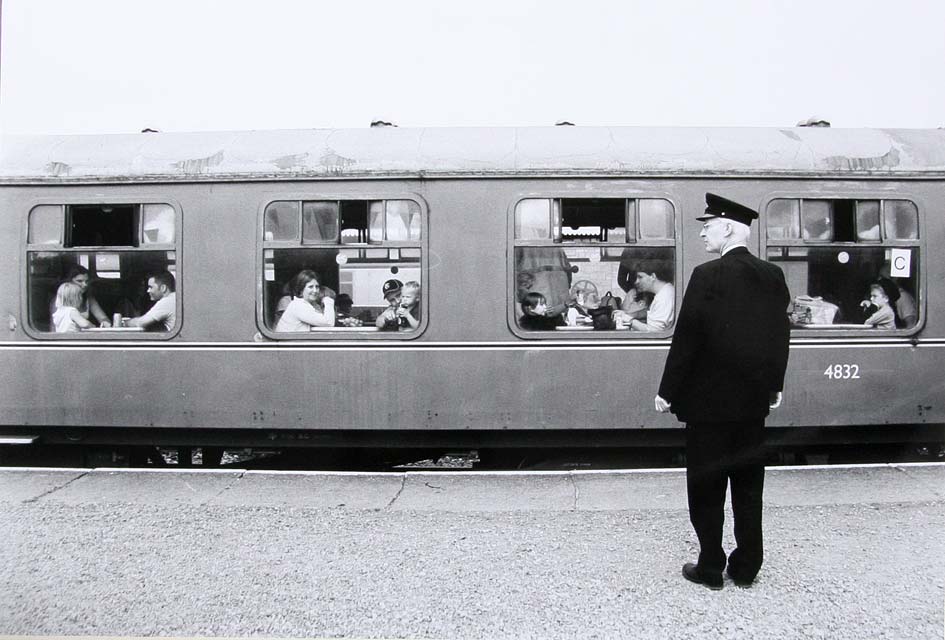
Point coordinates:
pixel 725 370
pixel 163 312
pixel 656 276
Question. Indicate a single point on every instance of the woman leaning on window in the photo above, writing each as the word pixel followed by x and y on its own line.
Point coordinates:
pixel 310 305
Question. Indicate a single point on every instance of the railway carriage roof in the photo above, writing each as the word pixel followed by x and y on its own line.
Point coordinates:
pixel 471 152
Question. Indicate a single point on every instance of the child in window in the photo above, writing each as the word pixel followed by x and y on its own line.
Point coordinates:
pixel 67 317
pixel 535 314
pixel 881 297
pixel 408 314
pixel 388 320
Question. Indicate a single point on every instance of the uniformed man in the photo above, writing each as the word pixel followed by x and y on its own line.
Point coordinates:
pixel 725 370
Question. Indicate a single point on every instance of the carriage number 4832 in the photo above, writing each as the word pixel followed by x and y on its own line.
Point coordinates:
pixel 843 372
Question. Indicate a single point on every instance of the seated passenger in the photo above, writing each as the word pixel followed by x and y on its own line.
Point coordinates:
pixel 283 303
pixel 408 313
pixel 907 314
pixel 535 314
pixel 882 294
pixel 163 313
pixel 634 307
pixel 343 317
pixel 654 277
pixel 89 306
pixel 388 319
pixel 67 317
pixel 310 306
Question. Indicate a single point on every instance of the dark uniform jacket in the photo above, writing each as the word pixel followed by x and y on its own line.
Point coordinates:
pixel 730 344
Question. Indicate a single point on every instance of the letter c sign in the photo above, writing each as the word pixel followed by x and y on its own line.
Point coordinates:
pixel 900 263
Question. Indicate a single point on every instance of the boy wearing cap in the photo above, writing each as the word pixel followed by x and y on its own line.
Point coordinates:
pixel 387 320
pixel 725 370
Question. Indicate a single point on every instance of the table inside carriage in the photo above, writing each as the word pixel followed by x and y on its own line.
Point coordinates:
pixel 839 325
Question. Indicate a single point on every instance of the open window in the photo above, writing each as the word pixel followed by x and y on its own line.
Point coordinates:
pixel 363 255
pixel 586 264
pixel 849 263
pixel 98 259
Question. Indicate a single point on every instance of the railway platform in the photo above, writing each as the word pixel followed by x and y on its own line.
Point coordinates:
pixel 851 552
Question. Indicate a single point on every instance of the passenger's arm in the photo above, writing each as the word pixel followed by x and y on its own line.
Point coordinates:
pixel 98 313
pixel 413 322
pixel 311 316
pixel 79 320
pixel 153 316
pixel 385 316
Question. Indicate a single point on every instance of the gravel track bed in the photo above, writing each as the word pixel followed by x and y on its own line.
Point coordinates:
pixel 850 571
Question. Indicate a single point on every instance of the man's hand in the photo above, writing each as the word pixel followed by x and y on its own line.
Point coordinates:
pixel 661 405
pixel 774 399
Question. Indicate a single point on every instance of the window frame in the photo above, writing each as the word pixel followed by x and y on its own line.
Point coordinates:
pixel 884 243
pixel 340 333
pixel 176 247
pixel 512 307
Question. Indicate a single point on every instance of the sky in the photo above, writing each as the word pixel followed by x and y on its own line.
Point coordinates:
pixel 118 66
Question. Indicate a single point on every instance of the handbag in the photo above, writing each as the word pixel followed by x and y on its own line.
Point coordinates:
pixel 602 316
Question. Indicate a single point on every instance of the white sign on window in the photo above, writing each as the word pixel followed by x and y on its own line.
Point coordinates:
pixel 900 263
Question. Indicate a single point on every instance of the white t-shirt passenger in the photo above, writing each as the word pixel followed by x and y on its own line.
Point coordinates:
pixel 662 312
pixel 163 311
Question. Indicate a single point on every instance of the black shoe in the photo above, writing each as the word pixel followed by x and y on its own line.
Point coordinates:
pixel 739 582
pixel 691 573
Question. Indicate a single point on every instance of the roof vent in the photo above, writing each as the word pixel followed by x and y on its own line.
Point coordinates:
pixel 149 130
pixel 564 123
pixel 813 122
pixel 382 123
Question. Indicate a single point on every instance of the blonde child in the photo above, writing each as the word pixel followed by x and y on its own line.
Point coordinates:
pixel 408 313
pixel 66 317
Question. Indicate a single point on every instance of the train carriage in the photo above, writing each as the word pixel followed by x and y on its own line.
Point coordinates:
pixel 479 219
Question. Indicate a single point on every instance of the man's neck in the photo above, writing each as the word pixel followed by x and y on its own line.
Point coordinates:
pixel 729 247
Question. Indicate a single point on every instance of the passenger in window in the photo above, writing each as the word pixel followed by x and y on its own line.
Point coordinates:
pixel 882 294
pixel 163 313
pixel 388 320
pixel 408 313
pixel 311 305
pixel 67 318
pixel 283 303
pixel 536 316
pixel 89 307
pixel 655 276
pixel 343 317
pixel 907 313
pixel 634 307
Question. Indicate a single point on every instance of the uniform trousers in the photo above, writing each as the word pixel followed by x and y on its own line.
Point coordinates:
pixel 718 453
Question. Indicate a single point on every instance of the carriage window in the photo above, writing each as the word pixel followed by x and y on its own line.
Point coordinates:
pixel 281 221
pixel 849 268
pixel 319 222
pixel 157 226
pixel 867 220
pixel 356 269
pixel 901 220
pixel 102 225
pixel 100 268
pixel 582 264
pixel 45 225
